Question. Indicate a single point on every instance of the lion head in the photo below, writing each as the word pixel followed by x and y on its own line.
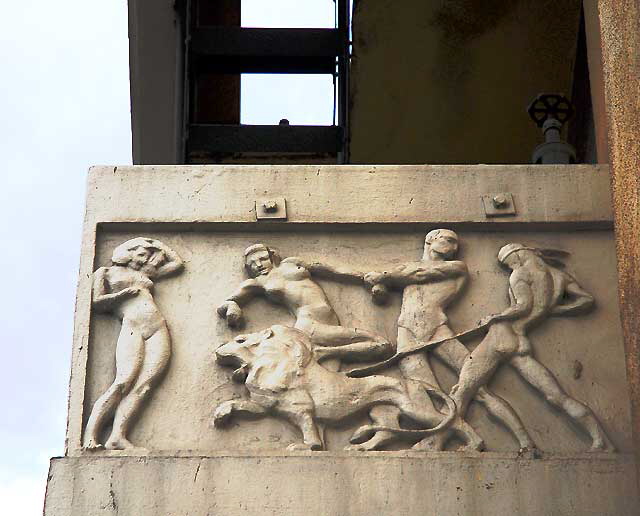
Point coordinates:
pixel 269 360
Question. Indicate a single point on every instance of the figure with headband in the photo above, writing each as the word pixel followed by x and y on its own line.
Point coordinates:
pixel 428 287
pixel 290 282
pixel 538 289
pixel 143 348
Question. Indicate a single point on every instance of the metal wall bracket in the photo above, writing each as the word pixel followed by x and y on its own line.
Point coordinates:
pixel 498 205
pixel 274 208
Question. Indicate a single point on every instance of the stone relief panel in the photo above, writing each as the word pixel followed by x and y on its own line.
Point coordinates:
pixel 322 344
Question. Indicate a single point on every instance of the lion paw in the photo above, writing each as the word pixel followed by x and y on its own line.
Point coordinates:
pixel 222 414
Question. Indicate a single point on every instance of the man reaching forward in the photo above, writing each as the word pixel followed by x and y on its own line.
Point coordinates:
pixel 428 287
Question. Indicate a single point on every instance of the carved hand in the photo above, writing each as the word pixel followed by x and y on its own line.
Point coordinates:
pixel 231 311
pixel 373 278
pixel 486 321
pixel 222 414
pixel 129 292
pixel 157 259
pixel 379 294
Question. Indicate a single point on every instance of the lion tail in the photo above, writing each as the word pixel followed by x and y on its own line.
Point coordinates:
pixel 422 432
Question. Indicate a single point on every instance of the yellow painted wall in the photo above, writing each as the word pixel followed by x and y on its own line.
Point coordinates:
pixel 449 81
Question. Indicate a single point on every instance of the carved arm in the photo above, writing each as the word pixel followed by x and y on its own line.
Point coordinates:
pixel 230 309
pixel 102 301
pixel 173 261
pixel 580 301
pixel 416 273
pixel 521 290
pixel 335 273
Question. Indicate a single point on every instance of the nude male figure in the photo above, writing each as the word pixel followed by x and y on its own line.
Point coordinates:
pixel 537 290
pixel 428 286
pixel 290 282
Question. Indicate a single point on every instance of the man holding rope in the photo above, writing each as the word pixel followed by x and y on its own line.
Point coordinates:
pixel 428 287
pixel 538 289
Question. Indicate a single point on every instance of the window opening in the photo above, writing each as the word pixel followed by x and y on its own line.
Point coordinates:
pixel 310 14
pixel 301 99
pixel 252 64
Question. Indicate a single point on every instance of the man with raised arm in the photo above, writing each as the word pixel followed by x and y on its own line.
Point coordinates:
pixel 428 287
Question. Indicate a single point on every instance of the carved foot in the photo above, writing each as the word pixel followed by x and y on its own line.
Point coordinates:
pixel 93 445
pixel 222 414
pixel 375 443
pixel 118 443
pixel 529 452
pixel 475 445
pixel 602 447
pixel 304 447
pixel 472 441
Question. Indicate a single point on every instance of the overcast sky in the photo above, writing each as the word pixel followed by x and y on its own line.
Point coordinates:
pixel 64 102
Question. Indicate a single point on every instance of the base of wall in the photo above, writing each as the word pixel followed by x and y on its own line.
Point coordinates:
pixel 341 484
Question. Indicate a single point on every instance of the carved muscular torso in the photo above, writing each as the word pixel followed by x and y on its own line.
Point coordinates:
pixel 423 304
pixel 139 311
pixel 290 284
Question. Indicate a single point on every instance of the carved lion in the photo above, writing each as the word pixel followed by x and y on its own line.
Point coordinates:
pixel 284 380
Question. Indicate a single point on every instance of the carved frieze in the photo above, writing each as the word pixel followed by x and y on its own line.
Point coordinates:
pixel 319 372
pixel 287 375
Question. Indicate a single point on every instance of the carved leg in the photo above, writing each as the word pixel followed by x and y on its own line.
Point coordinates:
pixel 310 435
pixel 417 367
pixel 225 410
pixel 348 344
pixel 129 354
pixel 454 353
pixel 382 415
pixel 438 440
pixel 503 412
pixel 472 441
pixel 542 379
pixel 478 369
pixel 157 352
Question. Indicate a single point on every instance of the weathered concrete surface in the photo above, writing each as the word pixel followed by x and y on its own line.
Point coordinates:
pixel 343 484
pixel 446 194
pixel 620 29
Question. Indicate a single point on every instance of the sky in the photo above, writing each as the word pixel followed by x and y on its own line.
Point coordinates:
pixel 64 103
